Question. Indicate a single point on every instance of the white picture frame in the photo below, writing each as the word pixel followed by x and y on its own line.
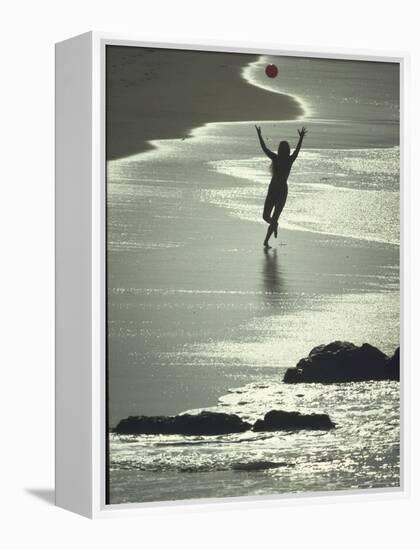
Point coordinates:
pixel 81 275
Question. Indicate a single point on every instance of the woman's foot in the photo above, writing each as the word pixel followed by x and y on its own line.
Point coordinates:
pixel 276 226
pixel 266 245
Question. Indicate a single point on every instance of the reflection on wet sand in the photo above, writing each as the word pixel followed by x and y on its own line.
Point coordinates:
pixel 274 284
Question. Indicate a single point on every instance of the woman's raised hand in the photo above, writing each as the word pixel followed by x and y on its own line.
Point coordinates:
pixel 302 133
pixel 258 128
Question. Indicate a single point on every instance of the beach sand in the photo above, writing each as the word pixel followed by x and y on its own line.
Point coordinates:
pixel 152 94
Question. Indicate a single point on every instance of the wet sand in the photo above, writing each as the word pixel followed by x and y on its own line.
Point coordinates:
pixel 152 94
pixel 180 302
pixel 190 286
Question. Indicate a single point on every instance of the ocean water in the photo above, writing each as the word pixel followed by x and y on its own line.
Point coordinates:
pixel 201 318
pixel 344 192
pixel 357 91
pixel 361 453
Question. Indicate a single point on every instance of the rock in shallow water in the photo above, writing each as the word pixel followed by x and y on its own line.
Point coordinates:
pixel 344 362
pixel 291 421
pixel 394 365
pixel 205 423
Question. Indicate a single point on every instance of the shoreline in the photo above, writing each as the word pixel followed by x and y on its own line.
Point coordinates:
pixel 138 112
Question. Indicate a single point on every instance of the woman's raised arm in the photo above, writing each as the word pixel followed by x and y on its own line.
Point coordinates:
pixel 302 133
pixel 264 147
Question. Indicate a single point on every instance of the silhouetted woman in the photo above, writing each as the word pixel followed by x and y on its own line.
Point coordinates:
pixel 281 164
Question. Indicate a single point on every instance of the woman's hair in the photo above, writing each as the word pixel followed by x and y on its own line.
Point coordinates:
pixel 283 153
pixel 284 150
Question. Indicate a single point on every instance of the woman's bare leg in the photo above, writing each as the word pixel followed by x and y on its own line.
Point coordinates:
pixel 271 229
pixel 268 207
pixel 276 215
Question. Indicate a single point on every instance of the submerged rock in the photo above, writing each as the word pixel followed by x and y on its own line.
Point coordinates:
pixel 289 421
pixel 344 362
pixel 205 423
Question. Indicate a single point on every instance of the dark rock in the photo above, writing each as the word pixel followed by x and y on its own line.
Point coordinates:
pixel 393 365
pixel 290 421
pixel 205 423
pixel 344 362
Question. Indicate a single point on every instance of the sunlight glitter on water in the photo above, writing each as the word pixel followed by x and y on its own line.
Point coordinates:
pixel 363 450
pixel 361 203
pixel 283 339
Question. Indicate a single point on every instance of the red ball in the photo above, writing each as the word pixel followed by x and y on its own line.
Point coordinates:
pixel 271 71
